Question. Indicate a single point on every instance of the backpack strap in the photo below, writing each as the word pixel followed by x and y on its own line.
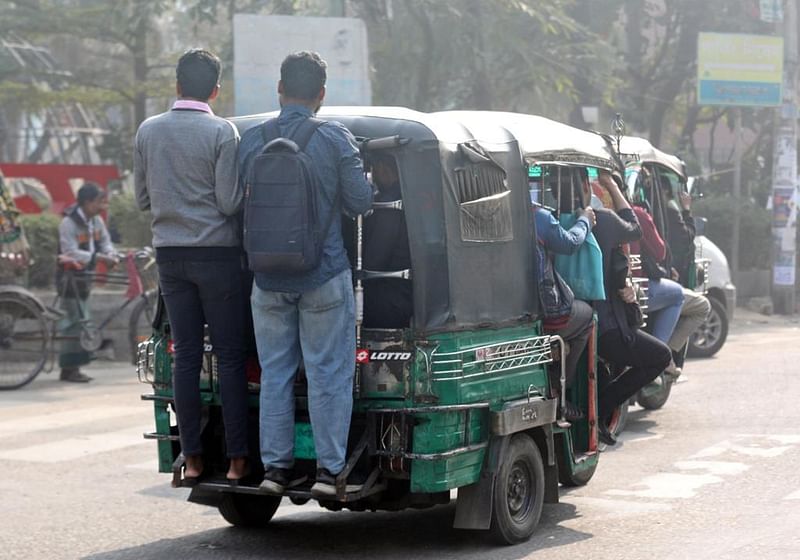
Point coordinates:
pixel 270 130
pixel 301 137
pixel 305 131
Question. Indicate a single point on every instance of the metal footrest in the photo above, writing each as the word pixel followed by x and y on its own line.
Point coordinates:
pixel 161 398
pixel 160 437
pixel 303 492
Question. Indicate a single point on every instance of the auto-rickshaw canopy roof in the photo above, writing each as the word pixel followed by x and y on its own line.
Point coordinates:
pixel 377 122
pixel 644 152
pixel 543 141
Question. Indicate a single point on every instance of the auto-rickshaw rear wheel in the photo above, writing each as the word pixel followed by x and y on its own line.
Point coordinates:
pixel 246 510
pixel 518 492
pixel 655 395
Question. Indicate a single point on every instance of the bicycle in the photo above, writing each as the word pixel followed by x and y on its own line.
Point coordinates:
pixel 29 330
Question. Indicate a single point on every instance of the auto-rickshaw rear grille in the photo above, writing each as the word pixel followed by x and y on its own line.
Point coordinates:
pixel 494 358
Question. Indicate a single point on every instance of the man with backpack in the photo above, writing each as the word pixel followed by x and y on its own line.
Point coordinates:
pixel 299 174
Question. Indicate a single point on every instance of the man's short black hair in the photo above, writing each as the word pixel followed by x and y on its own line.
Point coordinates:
pixel 89 192
pixel 198 73
pixel 303 75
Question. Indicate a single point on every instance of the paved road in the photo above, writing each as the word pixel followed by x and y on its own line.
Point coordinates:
pixel 712 475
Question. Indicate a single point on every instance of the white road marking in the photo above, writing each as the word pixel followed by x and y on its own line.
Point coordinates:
pixel 669 486
pixel 66 418
pixel 77 447
pixel 752 450
pixel 686 485
pixel 793 496
pixel 713 467
pixel 629 437
pixel 780 438
pixel 619 508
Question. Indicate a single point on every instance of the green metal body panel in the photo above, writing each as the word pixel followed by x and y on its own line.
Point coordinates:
pixel 304 441
pixel 441 432
pixel 459 369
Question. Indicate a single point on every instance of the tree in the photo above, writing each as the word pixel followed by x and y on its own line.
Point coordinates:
pixel 497 54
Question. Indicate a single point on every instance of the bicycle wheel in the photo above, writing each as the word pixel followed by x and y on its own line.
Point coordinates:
pixel 140 324
pixel 23 342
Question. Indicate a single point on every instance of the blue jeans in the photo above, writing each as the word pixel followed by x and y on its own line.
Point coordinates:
pixel 319 327
pixel 664 302
pixel 198 292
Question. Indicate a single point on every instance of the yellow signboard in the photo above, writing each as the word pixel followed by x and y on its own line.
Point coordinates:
pixel 739 69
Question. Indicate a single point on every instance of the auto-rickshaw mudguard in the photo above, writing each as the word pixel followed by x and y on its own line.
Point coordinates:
pixel 475 502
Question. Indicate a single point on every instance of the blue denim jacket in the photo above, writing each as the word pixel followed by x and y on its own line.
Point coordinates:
pixel 336 159
pixel 556 297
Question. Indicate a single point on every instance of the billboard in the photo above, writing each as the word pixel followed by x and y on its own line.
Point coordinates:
pixel 739 70
pixel 260 43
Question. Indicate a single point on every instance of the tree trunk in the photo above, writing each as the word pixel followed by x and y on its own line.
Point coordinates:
pixel 683 67
pixel 480 96
pixel 423 94
pixel 140 69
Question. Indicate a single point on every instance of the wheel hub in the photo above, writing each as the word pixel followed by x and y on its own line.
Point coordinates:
pixel 519 490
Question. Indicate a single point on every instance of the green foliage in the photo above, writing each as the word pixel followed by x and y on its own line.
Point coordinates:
pixel 755 237
pixel 519 55
pixel 42 233
pixel 133 225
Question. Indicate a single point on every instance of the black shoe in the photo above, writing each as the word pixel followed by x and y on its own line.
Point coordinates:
pixel 74 375
pixel 571 412
pixel 276 480
pixel 325 485
pixel 605 435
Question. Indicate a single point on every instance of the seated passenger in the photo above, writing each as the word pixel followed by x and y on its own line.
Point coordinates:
pixel 664 296
pixel 388 302
pixel 680 238
pixel 618 342
pixel 565 316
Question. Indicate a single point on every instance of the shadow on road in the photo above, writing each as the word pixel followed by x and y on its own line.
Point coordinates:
pixel 403 535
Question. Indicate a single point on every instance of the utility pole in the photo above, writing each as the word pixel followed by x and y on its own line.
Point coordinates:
pixel 784 178
pixel 737 191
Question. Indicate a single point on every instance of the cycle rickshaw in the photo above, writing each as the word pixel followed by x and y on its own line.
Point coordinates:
pixel 460 397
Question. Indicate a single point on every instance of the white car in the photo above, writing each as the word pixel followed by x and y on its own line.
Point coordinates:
pixel 711 335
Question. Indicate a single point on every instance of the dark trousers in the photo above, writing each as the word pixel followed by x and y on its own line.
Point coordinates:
pixel 647 357
pixel 197 293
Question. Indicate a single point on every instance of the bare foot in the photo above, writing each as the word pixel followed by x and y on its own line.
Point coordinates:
pixel 238 469
pixel 194 466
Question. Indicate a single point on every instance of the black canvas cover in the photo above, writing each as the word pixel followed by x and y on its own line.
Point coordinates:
pixel 466 206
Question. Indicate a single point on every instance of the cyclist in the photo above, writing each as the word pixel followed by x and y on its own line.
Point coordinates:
pixel 83 241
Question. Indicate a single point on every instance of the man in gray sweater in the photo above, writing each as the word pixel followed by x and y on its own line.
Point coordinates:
pixel 185 174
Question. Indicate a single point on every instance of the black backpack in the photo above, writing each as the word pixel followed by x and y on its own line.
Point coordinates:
pixel 282 233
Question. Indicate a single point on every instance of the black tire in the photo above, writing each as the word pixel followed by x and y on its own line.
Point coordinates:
pixel 710 336
pixel 620 419
pixel 656 394
pixel 24 341
pixel 247 510
pixel 618 422
pixel 140 323
pixel 569 478
pixel 518 492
